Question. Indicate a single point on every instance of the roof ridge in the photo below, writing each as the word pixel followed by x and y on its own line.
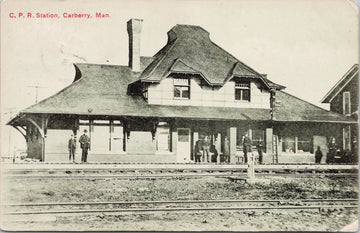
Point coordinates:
pixel 188 25
pixel 240 63
pixel 180 60
pixel 163 57
pixel 195 70
pixel 99 64
pixel 246 66
pixel 339 81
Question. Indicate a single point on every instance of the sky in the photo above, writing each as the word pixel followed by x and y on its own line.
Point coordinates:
pixel 305 45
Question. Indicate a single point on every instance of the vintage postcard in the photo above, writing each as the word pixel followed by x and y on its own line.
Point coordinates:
pixel 179 115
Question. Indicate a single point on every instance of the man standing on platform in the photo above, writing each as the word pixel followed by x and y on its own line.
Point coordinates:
pixel 197 151
pixel 206 148
pixel 246 146
pixel 85 145
pixel 72 148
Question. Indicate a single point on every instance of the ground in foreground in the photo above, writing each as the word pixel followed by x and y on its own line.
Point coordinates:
pixel 205 188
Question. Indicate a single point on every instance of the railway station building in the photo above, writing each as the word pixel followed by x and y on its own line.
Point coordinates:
pixel 155 108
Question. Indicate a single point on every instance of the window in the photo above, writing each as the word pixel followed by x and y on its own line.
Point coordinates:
pixel 346 103
pixel 182 88
pixel 183 135
pixel 145 91
pixel 293 144
pixel 242 91
pixel 288 144
pixel 304 144
pixel 258 134
pixel 241 130
pixel 84 122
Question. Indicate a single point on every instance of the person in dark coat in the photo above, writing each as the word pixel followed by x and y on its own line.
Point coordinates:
pixel 206 148
pixel 197 151
pixel 260 148
pixel 72 148
pixel 246 146
pixel 85 145
pixel 214 152
pixel 318 155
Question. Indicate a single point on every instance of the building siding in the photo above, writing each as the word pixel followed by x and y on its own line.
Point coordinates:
pixel 163 94
pixel 336 105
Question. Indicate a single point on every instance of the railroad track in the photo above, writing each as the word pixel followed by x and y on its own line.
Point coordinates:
pixel 16 209
pixel 169 171
pixel 170 176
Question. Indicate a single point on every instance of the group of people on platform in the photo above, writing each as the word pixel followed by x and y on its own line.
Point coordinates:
pixel 204 147
pixel 335 154
pixel 84 145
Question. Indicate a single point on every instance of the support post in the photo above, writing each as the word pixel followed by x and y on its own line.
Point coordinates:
pixel 126 134
pixel 232 143
pixel 196 138
pixel 76 126
pixel 44 122
pixel 174 138
pixel 218 147
pixel 124 140
pixel 154 126
pixel 269 140
pixel 296 145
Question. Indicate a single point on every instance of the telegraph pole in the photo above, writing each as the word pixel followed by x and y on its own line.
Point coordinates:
pixel 37 91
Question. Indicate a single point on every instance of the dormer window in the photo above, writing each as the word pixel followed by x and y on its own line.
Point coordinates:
pixel 145 90
pixel 242 91
pixel 181 88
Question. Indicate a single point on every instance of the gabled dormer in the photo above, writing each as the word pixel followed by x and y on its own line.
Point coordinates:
pixel 192 70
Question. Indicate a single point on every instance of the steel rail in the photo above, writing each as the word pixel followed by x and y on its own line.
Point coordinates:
pixel 141 202
pixel 101 176
pixel 180 209
pixel 81 176
pixel 176 202
pixel 159 166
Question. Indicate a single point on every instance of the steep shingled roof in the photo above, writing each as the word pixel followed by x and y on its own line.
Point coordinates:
pixel 101 90
pixel 295 109
pixel 190 50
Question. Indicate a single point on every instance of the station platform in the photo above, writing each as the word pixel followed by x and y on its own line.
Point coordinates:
pixel 175 166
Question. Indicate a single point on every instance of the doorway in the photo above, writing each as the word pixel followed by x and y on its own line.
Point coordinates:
pixel 183 145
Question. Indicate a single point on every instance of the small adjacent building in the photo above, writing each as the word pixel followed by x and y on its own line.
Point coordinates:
pixel 344 99
pixel 155 108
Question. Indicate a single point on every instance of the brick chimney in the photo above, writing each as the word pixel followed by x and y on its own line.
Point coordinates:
pixel 134 30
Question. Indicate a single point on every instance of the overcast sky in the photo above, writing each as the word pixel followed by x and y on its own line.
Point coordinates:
pixel 305 45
